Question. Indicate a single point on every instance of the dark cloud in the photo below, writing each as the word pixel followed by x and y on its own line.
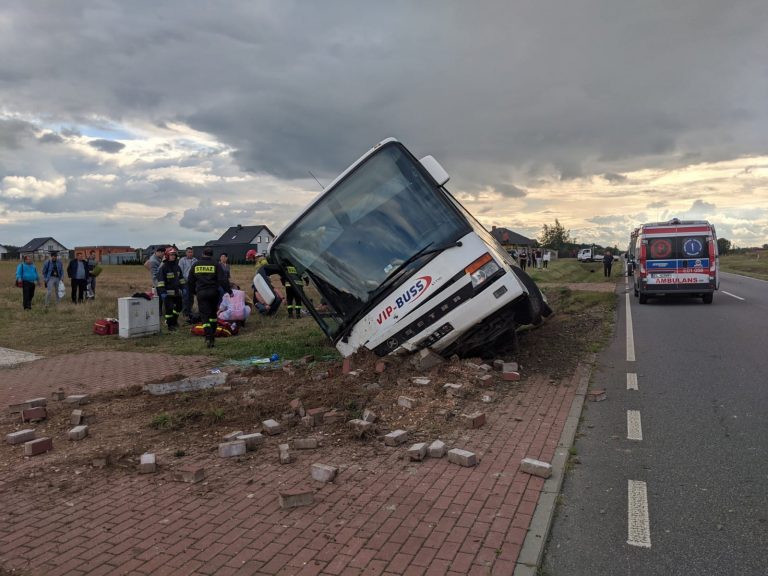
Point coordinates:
pixel 509 190
pixel 109 146
pixel 659 204
pixel 50 138
pixel 13 133
pixel 615 178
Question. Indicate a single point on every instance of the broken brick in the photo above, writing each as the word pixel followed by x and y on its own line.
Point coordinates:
pixel 39 446
pixel 77 417
pixel 317 415
pixel 536 467
pixel 78 432
pixel 21 436
pixel 33 403
pixel 474 420
pixel 323 472
pixel 232 449
pixel 396 438
pixel 334 416
pixel 462 457
pixel 252 441
pixel 232 436
pixel 436 449
pixel 271 427
pixel 190 474
pixel 147 463
pixel 418 451
pixel 305 443
pixel 285 454
pixel 407 402
pixel 369 416
pixel 34 414
pixel 360 427
pixel 510 376
pixel 296 497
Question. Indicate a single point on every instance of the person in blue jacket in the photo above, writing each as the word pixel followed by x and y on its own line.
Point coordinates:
pixel 26 274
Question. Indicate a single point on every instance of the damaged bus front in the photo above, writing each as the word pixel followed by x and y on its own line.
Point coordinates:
pixel 399 265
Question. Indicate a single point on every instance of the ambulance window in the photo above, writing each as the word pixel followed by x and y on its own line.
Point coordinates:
pixel 660 248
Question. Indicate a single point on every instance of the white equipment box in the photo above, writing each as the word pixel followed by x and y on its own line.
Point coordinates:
pixel 138 317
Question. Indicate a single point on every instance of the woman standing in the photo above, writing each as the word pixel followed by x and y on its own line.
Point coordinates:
pixel 26 274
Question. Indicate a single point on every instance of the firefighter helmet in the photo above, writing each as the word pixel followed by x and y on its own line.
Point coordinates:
pixel 251 255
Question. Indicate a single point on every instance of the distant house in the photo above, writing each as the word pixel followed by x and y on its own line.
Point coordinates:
pixel 40 248
pixel 109 254
pixel 3 253
pixel 511 240
pixel 237 240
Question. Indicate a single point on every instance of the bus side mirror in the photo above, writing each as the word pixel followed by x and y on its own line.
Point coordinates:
pixel 435 170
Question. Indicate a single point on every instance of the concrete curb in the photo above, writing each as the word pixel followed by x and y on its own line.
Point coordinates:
pixel 536 539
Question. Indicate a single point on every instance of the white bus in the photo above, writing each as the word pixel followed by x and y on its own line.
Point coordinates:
pixel 400 265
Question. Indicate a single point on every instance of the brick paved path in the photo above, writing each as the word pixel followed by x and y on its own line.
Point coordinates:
pixel 382 515
pixel 91 372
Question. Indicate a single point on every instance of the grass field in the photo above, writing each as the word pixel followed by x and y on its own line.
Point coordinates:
pixel 69 328
pixel 754 264
pixel 570 270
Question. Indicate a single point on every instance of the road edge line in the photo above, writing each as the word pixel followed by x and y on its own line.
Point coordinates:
pixel 538 531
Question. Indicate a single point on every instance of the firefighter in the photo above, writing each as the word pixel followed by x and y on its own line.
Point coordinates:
pixel 170 287
pixel 293 302
pixel 205 279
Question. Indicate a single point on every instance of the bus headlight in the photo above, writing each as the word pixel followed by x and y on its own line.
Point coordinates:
pixel 481 269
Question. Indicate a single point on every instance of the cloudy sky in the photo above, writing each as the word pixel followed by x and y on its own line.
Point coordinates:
pixel 143 122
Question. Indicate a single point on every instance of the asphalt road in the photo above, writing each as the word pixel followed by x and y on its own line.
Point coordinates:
pixel 702 407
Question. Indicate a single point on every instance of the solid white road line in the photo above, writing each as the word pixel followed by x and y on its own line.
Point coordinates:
pixel 631 381
pixel 638 525
pixel 731 295
pixel 630 335
pixel 634 427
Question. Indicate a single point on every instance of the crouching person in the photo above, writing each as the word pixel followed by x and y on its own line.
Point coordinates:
pixel 233 308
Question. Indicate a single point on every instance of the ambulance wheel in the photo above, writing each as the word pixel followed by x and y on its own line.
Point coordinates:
pixel 643 298
pixel 707 298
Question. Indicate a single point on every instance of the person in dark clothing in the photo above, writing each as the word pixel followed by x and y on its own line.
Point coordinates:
pixel 78 273
pixel 523 259
pixel 607 263
pixel 205 279
pixel 170 287
pixel 293 302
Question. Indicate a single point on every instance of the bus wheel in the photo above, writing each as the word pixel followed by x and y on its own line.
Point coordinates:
pixel 643 299
pixel 707 298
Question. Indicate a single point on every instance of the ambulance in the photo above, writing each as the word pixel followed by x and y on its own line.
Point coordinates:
pixel 675 257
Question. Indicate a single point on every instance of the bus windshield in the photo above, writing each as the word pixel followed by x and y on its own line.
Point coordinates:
pixel 369 233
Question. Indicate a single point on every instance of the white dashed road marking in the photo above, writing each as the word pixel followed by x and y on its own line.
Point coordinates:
pixel 631 381
pixel 638 525
pixel 634 427
pixel 630 335
pixel 731 295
